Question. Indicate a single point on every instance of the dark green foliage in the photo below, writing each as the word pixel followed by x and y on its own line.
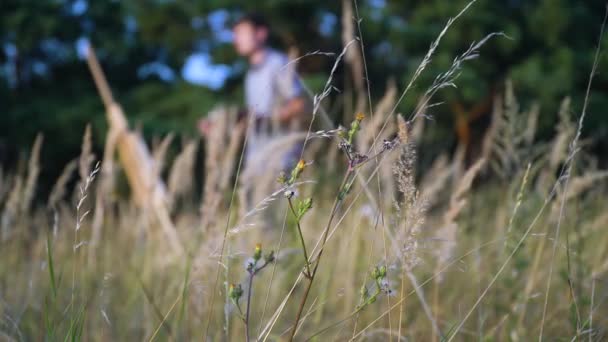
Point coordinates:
pixel 548 57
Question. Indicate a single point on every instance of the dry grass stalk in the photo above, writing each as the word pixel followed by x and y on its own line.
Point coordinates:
pixel 11 208
pixel 378 129
pixel 567 172
pixel 159 154
pixel 231 156
pixel 60 188
pixel 4 185
pixel 371 128
pixel 219 161
pixel 580 184
pixel 33 170
pixel 509 141
pixel 181 177
pixel 105 186
pixel 418 125
pixel 410 208
pixel 565 131
pixel 411 211
pixel 148 190
pixel 385 172
pixel 576 189
pixel 85 161
pixel 505 157
pixel 457 203
pixel 491 133
pixel 435 179
pixel 531 125
pixel 258 180
pixel 353 56
pixel 86 154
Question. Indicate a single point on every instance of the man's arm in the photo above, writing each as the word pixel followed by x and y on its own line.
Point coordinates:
pixel 293 109
pixel 289 87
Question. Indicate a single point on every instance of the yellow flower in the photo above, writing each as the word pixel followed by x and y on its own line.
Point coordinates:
pixel 257 254
pixel 360 117
pixel 301 165
pixel 235 292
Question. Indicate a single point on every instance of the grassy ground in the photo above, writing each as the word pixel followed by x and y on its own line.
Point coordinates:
pixel 470 268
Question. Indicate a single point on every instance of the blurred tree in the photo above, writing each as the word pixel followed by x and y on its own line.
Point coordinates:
pixel 548 54
pixel 145 47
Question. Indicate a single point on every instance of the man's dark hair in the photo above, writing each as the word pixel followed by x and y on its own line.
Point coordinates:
pixel 255 19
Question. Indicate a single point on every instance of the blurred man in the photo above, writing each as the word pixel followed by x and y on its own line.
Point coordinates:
pixel 273 96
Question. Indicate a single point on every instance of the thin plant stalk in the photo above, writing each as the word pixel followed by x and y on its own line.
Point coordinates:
pixel 311 279
pixel 568 171
pixel 253 271
pixel 249 290
pixel 301 236
pixel 402 304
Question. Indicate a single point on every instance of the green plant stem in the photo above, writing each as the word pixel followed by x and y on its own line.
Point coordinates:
pixel 304 251
pixel 249 290
pixel 334 209
pixel 345 186
pixel 245 318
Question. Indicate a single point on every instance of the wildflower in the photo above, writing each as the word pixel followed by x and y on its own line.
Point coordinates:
pixel 291 192
pixel 304 206
pixel 257 254
pixel 357 159
pixel 235 292
pixel 250 264
pixel 295 173
pixel 282 179
pixel 268 258
pixel 364 293
pixel 388 145
pixel 355 126
pixel 379 273
pixel 385 287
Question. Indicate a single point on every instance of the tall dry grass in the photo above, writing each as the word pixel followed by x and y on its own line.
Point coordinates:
pixel 503 248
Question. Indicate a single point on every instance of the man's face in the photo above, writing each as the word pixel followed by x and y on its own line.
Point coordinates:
pixel 248 38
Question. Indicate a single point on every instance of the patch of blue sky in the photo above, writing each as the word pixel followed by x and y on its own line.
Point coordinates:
pixel 376 7
pixel 218 22
pixel 81 45
pixel 376 3
pixel 200 70
pixel 327 24
pixel 158 69
pixel 79 7
pixel 130 24
pixel 197 22
pixel 10 50
pixel 39 68
pixel 55 49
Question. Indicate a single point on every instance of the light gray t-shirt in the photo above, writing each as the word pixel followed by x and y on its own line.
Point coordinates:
pixel 267 86
pixel 269 83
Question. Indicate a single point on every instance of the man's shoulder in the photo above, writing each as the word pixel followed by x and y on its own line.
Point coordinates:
pixel 276 58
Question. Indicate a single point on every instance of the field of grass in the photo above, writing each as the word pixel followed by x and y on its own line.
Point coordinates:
pixel 506 243
pixel 498 249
